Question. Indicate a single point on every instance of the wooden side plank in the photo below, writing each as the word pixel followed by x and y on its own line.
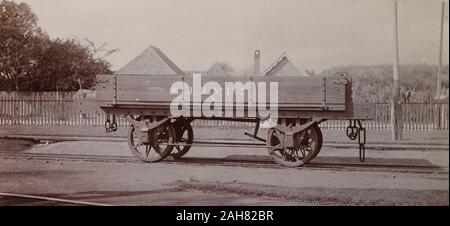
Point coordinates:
pixel 301 91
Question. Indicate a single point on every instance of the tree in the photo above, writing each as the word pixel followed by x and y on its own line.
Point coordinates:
pixel 67 64
pixel 373 83
pixel 31 61
pixel 20 37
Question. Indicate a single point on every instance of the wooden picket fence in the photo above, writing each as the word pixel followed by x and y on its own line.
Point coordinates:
pixel 415 116
pixel 51 108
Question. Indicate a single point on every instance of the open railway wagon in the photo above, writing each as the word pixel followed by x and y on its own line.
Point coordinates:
pixel 295 139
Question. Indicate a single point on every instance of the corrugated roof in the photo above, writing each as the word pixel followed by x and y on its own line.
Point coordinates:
pixel 151 61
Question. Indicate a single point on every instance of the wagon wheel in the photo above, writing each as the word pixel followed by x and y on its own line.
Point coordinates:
pixel 185 135
pixel 156 149
pixel 297 156
pixel 319 136
pixel 320 141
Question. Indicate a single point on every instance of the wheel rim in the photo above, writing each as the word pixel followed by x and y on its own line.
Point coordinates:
pixel 297 156
pixel 156 150
pixel 185 135
pixel 320 141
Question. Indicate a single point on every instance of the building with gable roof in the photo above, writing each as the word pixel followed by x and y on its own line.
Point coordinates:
pixel 282 67
pixel 217 70
pixel 151 61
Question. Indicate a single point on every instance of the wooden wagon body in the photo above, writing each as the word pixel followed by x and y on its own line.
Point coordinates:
pixel 302 103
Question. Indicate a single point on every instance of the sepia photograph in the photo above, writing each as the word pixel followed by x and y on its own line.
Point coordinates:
pixel 229 103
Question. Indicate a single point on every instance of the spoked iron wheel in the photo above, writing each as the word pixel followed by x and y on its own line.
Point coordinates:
pixel 185 135
pixel 156 148
pixel 320 141
pixel 298 155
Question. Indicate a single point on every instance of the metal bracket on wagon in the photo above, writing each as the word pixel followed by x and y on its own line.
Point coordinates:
pixel 298 128
pixel 356 130
pixel 145 126
pixel 288 132
pixel 110 126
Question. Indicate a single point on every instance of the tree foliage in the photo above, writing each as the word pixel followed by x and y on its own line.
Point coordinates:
pixel 31 61
pixel 374 83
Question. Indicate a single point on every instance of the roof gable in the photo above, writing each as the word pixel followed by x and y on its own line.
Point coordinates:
pixel 151 62
pixel 282 67
pixel 218 70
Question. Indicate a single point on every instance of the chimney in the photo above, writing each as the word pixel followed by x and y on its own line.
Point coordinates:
pixel 256 62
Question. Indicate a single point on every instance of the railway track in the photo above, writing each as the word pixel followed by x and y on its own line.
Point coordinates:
pixel 44 200
pixel 321 163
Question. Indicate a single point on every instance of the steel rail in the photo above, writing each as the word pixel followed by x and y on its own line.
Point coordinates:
pixel 44 198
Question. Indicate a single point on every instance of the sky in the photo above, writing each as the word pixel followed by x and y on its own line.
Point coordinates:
pixel 196 33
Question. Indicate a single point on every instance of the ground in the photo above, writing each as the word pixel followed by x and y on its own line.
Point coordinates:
pixel 192 183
